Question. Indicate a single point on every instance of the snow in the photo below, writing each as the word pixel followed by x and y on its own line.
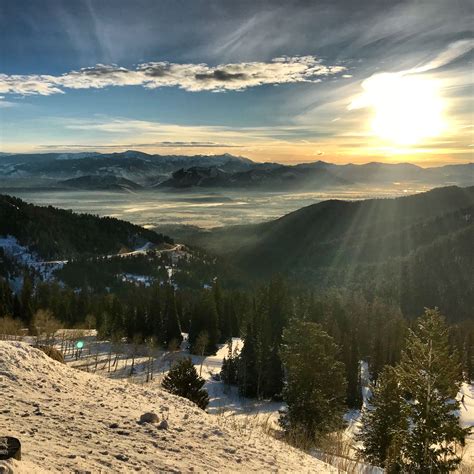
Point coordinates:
pixel 225 400
pixel 25 256
pixel 353 417
pixel 466 416
pixel 137 279
pixel 63 418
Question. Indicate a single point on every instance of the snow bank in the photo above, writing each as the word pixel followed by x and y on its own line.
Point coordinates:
pixel 466 416
pixel 68 421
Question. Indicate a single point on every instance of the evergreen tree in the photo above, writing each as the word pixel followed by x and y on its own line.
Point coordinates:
pixel 154 322
pixel 384 423
pixel 278 308
pixel 171 326
pixel 272 383
pixel 429 371
pixel 26 300
pixel 315 386
pixel 352 363
pixel 184 381
pixel 229 366
pixel 246 365
pixel 204 318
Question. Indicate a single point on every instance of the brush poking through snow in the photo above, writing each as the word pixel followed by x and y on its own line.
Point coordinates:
pixel 71 421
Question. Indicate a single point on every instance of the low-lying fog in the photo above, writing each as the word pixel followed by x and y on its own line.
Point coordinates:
pixel 197 208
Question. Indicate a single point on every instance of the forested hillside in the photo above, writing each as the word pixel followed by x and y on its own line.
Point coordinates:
pixel 415 250
pixel 57 233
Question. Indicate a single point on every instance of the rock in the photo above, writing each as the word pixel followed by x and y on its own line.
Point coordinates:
pixel 149 417
pixel 163 425
pixel 10 448
pixel 121 457
pixel 113 425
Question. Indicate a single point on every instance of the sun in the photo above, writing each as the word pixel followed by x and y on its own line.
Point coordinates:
pixel 407 109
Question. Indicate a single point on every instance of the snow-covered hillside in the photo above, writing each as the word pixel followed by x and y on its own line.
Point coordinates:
pixel 70 421
pixel 25 257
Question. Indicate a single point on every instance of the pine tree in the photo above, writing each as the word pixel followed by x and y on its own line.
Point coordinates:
pixel 171 326
pixel 154 321
pixel 204 318
pixel 26 299
pixel 429 372
pixel 352 363
pixel 229 366
pixel 315 386
pixel 384 423
pixel 184 381
pixel 246 365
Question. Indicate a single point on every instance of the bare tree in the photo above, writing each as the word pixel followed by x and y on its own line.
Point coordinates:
pixel 200 347
pixel 45 325
pixel 135 345
pixel 9 328
pixel 151 358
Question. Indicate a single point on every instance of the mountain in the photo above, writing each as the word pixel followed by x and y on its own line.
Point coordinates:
pixel 385 173
pixel 57 234
pixel 101 183
pixel 139 167
pixel 261 177
pixel 210 171
pixel 69 420
pixel 388 244
pixel 197 177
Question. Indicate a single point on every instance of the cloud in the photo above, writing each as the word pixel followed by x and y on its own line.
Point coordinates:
pixel 4 104
pixel 163 144
pixel 385 83
pixel 190 77
pixel 452 52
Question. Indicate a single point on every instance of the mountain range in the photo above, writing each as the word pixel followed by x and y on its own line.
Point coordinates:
pixel 134 171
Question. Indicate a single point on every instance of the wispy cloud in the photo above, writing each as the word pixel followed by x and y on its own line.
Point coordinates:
pixel 115 146
pixel 190 77
pixel 4 104
pixel 382 83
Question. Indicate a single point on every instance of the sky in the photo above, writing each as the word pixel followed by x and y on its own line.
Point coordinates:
pixel 281 81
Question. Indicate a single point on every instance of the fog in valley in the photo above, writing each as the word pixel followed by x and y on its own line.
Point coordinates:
pixel 202 209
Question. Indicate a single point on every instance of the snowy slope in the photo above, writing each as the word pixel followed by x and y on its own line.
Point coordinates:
pixel 24 256
pixel 64 418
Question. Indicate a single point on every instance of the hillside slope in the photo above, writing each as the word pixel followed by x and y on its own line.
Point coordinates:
pixel 309 231
pixel 56 233
pixel 416 250
pixel 64 419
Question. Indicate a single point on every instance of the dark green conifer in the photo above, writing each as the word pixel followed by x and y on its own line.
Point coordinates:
pixel 184 381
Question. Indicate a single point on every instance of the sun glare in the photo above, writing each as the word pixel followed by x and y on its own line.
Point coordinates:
pixel 408 109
